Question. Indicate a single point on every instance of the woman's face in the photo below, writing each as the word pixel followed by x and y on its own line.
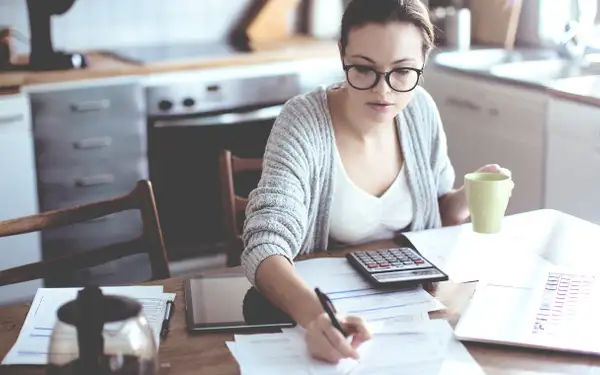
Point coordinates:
pixel 386 47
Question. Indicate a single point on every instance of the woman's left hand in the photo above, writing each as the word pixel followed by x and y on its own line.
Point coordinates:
pixel 495 168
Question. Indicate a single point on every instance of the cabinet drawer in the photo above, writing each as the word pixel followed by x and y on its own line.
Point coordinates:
pixel 121 227
pixel 77 128
pixel 116 99
pixel 99 146
pixel 62 187
pixel 58 110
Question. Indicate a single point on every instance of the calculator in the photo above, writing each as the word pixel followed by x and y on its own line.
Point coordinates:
pixel 402 266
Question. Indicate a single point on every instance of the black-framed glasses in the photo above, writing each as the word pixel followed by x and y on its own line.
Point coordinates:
pixel 364 77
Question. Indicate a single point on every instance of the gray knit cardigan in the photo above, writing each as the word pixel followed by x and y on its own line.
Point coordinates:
pixel 288 212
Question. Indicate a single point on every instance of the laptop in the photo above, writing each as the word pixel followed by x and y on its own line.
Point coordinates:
pixel 559 311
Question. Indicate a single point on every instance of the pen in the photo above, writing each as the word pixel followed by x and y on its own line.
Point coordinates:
pixel 330 310
pixel 167 319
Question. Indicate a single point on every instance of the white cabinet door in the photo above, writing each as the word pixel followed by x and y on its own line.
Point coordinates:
pixel 573 159
pixel 489 122
pixel 460 101
pixel 18 192
pixel 512 135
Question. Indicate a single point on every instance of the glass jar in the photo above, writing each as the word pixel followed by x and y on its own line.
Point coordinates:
pixel 98 334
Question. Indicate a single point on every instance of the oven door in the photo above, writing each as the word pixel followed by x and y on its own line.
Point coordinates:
pixel 184 169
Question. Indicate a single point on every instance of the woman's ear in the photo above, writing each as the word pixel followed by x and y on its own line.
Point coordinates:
pixel 341 51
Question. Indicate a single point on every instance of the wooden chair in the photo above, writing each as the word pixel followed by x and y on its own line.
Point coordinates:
pixel 234 206
pixel 140 198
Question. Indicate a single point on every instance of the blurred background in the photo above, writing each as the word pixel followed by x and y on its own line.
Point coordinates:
pixel 97 94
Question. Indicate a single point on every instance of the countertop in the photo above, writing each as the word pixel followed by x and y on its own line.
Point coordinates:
pixel 584 88
pixel 102 65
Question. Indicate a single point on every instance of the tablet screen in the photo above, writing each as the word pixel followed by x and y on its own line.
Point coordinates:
pixel 216 302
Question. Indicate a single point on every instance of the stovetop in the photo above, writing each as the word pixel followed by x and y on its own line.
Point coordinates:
pixel 177 52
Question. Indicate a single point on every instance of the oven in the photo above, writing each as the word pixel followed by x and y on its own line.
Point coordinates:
pixel 190 122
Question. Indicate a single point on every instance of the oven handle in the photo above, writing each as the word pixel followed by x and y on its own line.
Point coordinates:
pixel 261 114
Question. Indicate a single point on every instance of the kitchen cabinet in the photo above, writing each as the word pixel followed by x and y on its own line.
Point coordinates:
pixel 573 159
pixel 91 145
pixel 489 122
pixel 18 192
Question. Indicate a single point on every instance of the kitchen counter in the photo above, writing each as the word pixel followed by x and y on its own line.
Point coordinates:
pixel 584 88
pixel 103 65
pixel 100 66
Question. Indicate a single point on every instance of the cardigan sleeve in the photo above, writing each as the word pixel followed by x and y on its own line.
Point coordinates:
pixel 441 164
pixel 277 211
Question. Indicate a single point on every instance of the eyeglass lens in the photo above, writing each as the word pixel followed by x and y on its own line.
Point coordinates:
pixel 364 77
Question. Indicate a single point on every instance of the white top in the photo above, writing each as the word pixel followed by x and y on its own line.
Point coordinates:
pixel 359 217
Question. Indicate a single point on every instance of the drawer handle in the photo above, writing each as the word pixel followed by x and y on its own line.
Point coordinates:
pixel 101 179
pixel 91 106
pixel 100 219
pixel 96 220
pixel 463 103
pixel 90 143
pixel 11 119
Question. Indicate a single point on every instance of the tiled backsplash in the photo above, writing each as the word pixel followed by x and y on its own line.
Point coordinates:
pixel 94 24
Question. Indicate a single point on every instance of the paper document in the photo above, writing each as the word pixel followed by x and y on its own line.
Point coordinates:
pixel 352 294
pixel 284 353
pixel 375 303
pixel 31 347
pixel 468 256
pixel 331 275
pixel 390 351
pixel 418 322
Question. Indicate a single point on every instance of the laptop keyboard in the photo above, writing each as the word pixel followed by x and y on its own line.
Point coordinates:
pixel 565 301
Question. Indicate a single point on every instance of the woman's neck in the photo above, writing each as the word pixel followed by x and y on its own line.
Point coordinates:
pixel 350 119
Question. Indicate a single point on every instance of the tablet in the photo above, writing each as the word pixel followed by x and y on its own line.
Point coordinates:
pixel 216 303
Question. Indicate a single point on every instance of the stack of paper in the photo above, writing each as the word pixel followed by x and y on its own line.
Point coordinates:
pixel 352 294
pixel 31 347
pixel 467 256
pixel 394 349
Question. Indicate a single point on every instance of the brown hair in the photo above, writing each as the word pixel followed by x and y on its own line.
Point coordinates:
pixel 361 12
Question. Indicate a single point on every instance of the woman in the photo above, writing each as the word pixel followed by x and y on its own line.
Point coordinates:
pixel 352 163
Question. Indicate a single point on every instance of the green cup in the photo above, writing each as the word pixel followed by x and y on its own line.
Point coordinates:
pixel 487 195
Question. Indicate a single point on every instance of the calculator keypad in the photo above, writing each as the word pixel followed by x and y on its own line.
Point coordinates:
pixel 390 259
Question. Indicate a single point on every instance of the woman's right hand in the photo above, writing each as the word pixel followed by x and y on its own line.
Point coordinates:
pixel 326 343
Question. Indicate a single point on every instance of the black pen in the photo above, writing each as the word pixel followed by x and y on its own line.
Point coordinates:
pixel 330 310
pixel 167 319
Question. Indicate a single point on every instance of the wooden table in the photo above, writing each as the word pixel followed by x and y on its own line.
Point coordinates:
pixel 206 354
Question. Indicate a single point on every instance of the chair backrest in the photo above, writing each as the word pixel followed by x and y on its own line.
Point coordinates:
pixel 234 206
pixel 140 198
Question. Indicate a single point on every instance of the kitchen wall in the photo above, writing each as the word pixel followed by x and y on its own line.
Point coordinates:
pixel 114 23
pixel 93 24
